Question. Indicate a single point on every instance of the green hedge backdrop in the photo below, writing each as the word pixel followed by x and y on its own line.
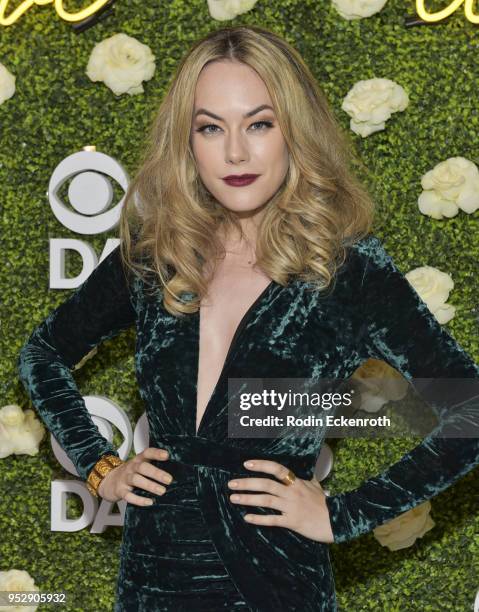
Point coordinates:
pixel 57 110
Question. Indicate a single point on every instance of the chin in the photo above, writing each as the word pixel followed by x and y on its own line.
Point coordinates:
pixel 245 212
pixel 244 208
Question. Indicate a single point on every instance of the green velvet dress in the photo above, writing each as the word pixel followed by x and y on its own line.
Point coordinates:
pixel 192 549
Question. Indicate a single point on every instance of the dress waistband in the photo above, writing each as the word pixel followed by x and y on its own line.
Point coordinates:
pixel 193 452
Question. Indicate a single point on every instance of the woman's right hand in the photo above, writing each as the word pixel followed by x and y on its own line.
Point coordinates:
pixel 136 472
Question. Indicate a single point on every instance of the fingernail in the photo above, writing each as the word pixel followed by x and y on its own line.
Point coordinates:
pixel 249 463
pixel 150 501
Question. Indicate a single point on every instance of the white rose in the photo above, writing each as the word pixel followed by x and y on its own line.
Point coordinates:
pixel 222 10
pixel 452 184
pixel 122 63
pixel 32 423
pixel 11 415
pixel 17 580
pixel 403 530
pixel 378 384
pixel 6 444
pixel 433 286
pixel 355 9
pixel 27 438
pixel 371 102
pixel 25 442
pixel 20 432
pixel 7 83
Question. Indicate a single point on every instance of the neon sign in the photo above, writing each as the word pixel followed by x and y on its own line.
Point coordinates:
pixel 24 6
pixel 449 10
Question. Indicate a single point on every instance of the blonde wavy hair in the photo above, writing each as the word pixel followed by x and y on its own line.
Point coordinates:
pixel 169 221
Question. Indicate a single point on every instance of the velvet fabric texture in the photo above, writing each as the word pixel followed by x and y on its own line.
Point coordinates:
pixel 192 548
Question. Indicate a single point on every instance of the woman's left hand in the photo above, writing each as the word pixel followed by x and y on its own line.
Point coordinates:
pixel 302 502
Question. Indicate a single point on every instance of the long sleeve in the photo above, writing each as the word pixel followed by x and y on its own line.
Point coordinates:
pixel 399 329
pixel 96 311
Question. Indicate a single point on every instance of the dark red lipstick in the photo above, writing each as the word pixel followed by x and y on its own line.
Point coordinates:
pixel 239 180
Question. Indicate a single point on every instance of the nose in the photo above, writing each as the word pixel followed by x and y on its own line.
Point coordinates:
pixel 236 148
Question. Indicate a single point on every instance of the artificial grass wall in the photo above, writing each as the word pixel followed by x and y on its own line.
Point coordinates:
pixel 57 110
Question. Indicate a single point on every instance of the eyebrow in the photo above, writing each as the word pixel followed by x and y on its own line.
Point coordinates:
pixel 203 111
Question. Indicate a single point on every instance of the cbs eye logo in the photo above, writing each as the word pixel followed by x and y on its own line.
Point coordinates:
pixel 90 211
pixel 90 192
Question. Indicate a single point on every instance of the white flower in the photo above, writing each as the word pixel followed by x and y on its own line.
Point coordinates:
pixel 222 10
pixel 403 530
pixel 122 63
pixel 17 580
pixel 378 384
pixel 355 9
pixel 433 286
pixel 11 415
pixel 27 439
pixel 371 102
pixel 7 83
pixel 6 444
pixel 25 442
pixel 20 432
pixel 452 184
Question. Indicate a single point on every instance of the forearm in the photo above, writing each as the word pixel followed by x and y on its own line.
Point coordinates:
pixel 429 468
pixel 53 391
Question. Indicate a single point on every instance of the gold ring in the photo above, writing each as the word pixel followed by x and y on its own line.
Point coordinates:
pixel 289 478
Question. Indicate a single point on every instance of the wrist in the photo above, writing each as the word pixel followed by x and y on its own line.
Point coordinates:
pixel 102 467
pixel 342 525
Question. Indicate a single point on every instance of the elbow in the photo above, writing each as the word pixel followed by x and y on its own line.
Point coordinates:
pixel 40 353
pixel 34 349
pixel 24 360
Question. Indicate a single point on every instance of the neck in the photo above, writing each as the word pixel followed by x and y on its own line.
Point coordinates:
pixel 249 224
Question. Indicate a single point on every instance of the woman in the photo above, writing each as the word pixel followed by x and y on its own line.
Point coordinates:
pixel 291 284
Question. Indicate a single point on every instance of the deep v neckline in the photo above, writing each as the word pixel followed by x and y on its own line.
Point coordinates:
pixel 266 292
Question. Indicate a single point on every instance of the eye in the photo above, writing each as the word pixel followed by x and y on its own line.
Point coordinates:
pixel 266 124
pixel 204 128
